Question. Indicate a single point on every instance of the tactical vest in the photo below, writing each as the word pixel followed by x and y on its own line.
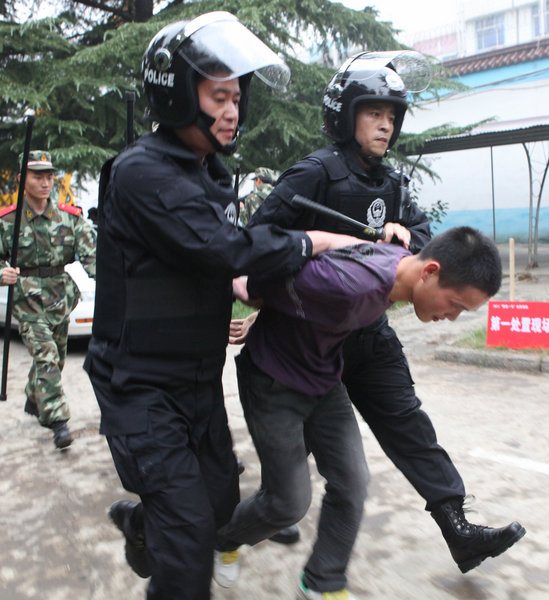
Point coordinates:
pixel 156 311
pixel 347 193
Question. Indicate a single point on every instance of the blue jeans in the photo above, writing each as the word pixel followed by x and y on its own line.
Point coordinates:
pixel 285 426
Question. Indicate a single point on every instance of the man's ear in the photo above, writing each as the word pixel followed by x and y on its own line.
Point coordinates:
pixel 430 268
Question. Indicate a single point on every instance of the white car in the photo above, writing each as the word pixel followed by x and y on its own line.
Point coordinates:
pixel 81 318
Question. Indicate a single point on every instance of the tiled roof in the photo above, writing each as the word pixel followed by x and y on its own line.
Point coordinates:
pixel 502 57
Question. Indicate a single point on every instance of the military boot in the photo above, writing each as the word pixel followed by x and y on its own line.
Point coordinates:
pixel 470 544
pixel 127 517
pixel 62 437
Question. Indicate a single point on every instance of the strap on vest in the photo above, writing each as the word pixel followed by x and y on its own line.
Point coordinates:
pixel 333 163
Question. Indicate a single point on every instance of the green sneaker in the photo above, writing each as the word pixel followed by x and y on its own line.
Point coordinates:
pixel 304 593
pixel 226 568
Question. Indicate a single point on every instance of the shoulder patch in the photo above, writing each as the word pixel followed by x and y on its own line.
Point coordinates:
pixel 73 210
pixel 7 210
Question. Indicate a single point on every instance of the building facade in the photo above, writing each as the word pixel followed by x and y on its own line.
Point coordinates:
pixel 500 50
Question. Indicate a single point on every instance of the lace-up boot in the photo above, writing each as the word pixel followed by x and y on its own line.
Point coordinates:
pixel 470 544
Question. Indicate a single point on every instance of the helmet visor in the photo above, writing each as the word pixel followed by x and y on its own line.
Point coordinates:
pixel 412 67
pixel 222 48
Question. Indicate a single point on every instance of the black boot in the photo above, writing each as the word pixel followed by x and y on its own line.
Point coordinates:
pixel 62 437
pixel 470 544
pixel 289 535
pixel 126 516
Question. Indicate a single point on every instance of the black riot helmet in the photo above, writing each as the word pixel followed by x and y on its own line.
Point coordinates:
pixel 372 77
pixel 215 46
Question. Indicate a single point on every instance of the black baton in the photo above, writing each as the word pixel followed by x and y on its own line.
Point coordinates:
pixel 13 256
pixel 371 232
pixel 237 181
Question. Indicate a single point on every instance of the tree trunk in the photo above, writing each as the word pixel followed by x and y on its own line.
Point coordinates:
pixel 143 10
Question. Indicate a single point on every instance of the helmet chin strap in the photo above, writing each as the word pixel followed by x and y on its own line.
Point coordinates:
pixel 373 162
pixel 204 121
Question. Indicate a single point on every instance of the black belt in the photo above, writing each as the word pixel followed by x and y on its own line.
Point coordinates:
pixel 42 271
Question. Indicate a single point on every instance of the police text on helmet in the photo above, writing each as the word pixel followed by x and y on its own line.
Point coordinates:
pixel 164 79
pixel 332 103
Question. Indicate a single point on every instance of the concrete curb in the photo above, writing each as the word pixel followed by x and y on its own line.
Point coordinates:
pixel 497 360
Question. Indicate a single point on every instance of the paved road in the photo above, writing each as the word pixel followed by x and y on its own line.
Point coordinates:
pixel 57 543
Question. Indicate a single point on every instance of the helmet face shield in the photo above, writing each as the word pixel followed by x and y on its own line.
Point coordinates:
pixel 227 45
pixel 217 46
pixel 412 68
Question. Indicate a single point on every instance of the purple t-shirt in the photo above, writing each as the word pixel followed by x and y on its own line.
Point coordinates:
pixel 298 336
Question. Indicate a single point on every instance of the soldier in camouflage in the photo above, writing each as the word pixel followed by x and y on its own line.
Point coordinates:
pixel 264 181
pixel 51 236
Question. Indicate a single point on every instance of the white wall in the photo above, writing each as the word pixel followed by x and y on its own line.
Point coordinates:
pixel 465 175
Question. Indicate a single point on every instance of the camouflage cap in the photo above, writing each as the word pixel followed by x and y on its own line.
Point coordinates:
pixel 266 175
pixel 38 161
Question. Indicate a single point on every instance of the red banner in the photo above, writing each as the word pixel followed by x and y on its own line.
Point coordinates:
pixel 518 324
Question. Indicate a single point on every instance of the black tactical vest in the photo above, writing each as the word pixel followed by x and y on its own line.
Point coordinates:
pixel 356 196
pixel 156 311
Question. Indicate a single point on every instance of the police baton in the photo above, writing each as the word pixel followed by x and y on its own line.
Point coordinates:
pixel 374 233
pixel 404 203
pixel 237 181
pixel 13 256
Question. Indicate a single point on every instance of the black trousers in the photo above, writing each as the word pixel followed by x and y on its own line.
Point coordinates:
pixel 380 386
pixel 181 464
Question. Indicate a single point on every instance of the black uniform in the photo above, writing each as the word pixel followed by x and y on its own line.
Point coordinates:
pixel 376 371
pixel 168 248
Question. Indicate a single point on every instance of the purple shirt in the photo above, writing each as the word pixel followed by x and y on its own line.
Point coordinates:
pixel 298 336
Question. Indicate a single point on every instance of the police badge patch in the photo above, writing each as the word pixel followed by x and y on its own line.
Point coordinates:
pixel 231 214
pixel 376 213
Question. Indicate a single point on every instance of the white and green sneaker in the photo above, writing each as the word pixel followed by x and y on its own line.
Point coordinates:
pixel 226 568
pixel 304 593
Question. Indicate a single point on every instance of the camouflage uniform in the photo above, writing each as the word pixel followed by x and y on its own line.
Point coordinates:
pixel 44 294
pixel 255 199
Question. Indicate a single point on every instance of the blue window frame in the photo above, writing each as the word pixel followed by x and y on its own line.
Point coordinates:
pixel 490 32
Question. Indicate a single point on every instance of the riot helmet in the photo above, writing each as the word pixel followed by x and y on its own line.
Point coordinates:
pixel 372 77
pixel 215 46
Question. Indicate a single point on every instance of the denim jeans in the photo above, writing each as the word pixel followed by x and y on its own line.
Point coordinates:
pixel 285 426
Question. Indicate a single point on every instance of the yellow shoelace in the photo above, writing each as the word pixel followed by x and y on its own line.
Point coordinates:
pixel 228 558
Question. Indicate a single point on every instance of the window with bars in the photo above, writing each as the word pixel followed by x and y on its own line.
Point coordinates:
pixel 490 32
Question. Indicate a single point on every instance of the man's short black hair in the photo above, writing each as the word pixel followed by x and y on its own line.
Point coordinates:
pixel 467 257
